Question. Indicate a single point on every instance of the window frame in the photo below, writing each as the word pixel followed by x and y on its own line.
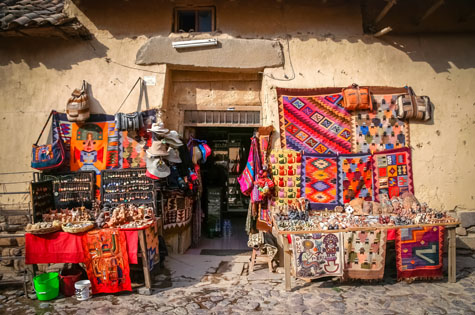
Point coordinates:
pixel 176 23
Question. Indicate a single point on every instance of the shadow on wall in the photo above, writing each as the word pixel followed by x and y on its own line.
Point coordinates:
pixel 53 53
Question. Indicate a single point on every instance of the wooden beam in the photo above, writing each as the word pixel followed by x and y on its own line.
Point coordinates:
pixel 385 11
pixel 431 10
pixel 382 32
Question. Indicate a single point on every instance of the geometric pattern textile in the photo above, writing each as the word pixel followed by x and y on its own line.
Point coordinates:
pixel 315 124
pixel 419 252
pixel 318 255
pixel 286 166
pixel 380 129
pixel 151 242
pixel 355 177
pixel 105 255
pixel 365 254
pixel 321 181
pixel 392 173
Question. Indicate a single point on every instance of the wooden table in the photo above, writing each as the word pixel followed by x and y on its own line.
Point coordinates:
pixel 450 234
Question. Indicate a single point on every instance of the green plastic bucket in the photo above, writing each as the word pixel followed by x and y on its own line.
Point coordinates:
pixel 46 286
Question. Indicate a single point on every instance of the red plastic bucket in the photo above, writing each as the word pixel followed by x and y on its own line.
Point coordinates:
pixel 68 281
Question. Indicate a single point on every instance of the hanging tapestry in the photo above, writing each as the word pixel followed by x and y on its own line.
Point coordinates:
pixel 365 254
pixel 321 181
pixel 314 121
pixel 177 210
pixel 392 173
pixel 105 256
pixel 318 255
pixel 380 129
pixel 135 143
pixel 356 177
pixel 151 240
pixel 287 174
pixel 264 219
pixel 419 252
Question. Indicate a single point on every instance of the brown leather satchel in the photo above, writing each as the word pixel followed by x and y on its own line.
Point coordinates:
pixel 357 98
pixel 77 108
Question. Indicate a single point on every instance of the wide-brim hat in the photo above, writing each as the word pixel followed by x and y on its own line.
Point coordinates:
pixel 173 139
pixel 158 148
pixel 158 128
pixel 173 156
pixel 157 167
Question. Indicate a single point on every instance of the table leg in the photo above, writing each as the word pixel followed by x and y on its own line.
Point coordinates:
pixel 452 255
pixel 143 249
pixel 288 284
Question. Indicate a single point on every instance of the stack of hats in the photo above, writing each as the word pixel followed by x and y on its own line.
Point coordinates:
pixel 164 148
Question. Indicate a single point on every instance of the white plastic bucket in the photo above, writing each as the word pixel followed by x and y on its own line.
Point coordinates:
pixel 83 290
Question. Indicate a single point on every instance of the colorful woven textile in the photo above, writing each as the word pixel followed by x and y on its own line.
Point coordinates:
pixel 318 255
pixel 287 174
pixel 151 241
pixel 365 254
pixel 419 252
pixel 107 264
pixel 356 177
pixel 314 123
pixel 135 143
pixel 379 130
pixel 321 181
pixel 392 172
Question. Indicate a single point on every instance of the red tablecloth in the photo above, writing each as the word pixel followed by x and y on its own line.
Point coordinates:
pixel 62 247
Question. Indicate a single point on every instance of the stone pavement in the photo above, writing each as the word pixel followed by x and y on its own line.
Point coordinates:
pixel 194 284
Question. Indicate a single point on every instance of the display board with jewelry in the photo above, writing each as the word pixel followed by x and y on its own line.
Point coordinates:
pixel 42 201
pixel 127 186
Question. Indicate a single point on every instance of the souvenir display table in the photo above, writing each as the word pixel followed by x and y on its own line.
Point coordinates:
pixel 450 227
pixel 63 247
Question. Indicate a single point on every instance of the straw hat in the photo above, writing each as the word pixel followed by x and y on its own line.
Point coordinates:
pixel 173 155
pixel 173 139
pixel 157 167
pixel 158 128
pixel 158 148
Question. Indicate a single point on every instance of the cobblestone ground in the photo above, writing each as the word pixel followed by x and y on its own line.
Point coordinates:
pixel 191 284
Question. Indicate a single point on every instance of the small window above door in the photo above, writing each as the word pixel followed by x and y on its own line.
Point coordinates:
pixel 195 19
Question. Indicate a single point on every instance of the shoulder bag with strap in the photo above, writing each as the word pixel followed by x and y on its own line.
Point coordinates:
pixel 48 156
pixel 132 121
pixel 411 106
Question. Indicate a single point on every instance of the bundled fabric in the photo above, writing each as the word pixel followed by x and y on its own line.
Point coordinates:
pixel 419 252
pixel 318 255
pixel 357 98
pixel 48 156
pixel 411 106
pixel 365 254
pixel 77 108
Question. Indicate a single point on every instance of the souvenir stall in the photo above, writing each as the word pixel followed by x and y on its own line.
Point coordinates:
pixel 110 187
pixel 342 186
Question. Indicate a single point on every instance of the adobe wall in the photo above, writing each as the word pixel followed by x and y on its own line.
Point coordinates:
pixel 327 48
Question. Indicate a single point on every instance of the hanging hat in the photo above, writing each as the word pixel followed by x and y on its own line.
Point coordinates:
pixel 158 148
pixel 196 154
pixel 205 151
pixel 173 139
pixel 157 168
pixel 173 155
pixel 158 128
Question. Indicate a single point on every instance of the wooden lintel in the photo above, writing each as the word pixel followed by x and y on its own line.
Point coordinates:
pixel 385 11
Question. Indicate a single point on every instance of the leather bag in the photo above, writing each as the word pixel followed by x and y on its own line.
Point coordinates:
pixel 48 156
pixel 133 121
pixel 357 98
pixel 77 108
pixel 411 106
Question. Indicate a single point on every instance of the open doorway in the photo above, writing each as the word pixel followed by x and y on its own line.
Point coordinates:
pixel 225 207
